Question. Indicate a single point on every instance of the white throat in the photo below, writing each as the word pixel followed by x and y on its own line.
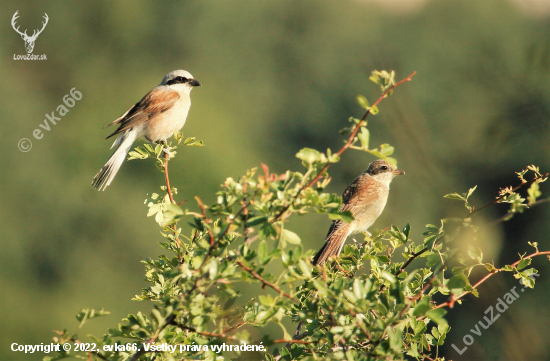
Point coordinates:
pixel 384 178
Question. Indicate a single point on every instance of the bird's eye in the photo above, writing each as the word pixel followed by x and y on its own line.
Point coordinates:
pixel 384 167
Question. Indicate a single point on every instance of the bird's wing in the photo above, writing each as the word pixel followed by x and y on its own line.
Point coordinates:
pixel 155 102
pixel 357 198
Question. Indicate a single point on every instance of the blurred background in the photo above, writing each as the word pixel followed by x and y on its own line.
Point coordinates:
pixel 277 76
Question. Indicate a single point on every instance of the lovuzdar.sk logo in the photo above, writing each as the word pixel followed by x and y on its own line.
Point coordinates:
pixel 29 40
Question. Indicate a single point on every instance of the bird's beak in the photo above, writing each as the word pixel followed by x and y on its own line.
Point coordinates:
pixel 398 172
pixel 194 83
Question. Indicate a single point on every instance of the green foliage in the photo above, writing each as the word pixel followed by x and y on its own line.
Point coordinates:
pixel 371 302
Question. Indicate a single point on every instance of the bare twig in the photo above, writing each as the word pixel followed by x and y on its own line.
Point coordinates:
pixel 207 221
pixel 412 258
pixel 265 283
pixel 166 158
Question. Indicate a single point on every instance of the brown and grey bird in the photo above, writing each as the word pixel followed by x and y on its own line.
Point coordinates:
pixel 158 115
pixel 365 198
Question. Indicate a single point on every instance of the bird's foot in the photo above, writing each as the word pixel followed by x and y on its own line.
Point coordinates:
pixel 151 141
pixel 166 149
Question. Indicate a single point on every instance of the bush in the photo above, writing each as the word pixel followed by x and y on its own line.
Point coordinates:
pixel 372 302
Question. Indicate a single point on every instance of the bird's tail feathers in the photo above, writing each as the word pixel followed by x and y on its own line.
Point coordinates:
pixel 106 175
pixel 332 247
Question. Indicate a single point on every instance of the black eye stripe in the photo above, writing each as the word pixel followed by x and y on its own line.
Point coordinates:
pixel 177 80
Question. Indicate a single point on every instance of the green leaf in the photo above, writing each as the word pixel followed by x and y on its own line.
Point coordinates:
pixel 421 308
pixel 396 338
pixel 437 316
pixel 362 101
pixel 193 142
pixel 475 253
pixel 457 281
pixel 528 281
pixel 523 263
pixel 308 155
pixel 88 313
pixel 346 216
pixel 364 137
pixel 262 253
pixel 374 110
pixel 290 237
pixel 470 191
pixel 386 150
pixel 172 213
pixel 454 196
pixel 256 220
pixel 306 270
pixel 406 230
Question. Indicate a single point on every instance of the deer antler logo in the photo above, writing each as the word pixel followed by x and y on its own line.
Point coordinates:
pixel 29 40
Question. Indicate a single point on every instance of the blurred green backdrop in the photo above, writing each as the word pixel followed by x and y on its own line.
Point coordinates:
pixel 277 76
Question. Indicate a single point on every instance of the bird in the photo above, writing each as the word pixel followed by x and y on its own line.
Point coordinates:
pixel 365 198
pixel 156 117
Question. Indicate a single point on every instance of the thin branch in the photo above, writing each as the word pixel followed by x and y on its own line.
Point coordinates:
pixel 166 157
pixel 454 299
pixel 412 258
pixel 209 334
pixel 507 193
pixel 294 341
pixel 509 215
pixel 207 221
pixel 233 328
pixel 265 283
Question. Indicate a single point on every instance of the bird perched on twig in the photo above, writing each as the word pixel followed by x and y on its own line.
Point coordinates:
pixel 156 117
pixel 366 198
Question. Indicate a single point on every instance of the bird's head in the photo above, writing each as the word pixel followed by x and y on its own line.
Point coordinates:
pixel 383 171
pixel 180 80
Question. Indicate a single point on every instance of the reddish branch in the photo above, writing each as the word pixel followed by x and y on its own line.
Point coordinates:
pixel 207 221
pixel 233 328
pixel 265 283
pixel 167 179
pixel 358 126
pixel 454 299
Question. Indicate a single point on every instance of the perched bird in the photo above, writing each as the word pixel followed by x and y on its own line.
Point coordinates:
pixel 366 198
pixel 158 115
